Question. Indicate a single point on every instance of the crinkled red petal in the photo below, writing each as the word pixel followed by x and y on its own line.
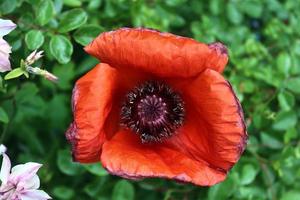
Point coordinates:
pixel 91 105
pixel 161 54
pixel 127 157
pixel 96 102
pixel 204 149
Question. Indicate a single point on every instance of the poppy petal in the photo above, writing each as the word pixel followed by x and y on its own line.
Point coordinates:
pixel 204 149
pixel 125 81
pixel 127 157
pixel 162 54
pixel 214 129
pixel 96 106
pixel 91 104
pixel 220 59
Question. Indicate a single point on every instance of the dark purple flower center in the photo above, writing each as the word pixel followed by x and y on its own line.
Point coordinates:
pixel 153 110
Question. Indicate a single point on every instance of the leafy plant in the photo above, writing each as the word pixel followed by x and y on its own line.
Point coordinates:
pixel 264 48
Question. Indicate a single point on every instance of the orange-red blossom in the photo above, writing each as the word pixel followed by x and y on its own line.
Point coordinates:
pixel 213 135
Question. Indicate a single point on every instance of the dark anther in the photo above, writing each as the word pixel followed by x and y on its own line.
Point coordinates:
pixel 153 110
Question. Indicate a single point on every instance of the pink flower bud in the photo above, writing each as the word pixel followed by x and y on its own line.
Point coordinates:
pixel 50 77
pixel 33 57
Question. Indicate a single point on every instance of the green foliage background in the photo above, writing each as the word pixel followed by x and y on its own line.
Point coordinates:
pixel 263 38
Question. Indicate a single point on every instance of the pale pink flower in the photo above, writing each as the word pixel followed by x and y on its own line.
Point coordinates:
pixel 21 182
pixel 5 50
pixel 6 26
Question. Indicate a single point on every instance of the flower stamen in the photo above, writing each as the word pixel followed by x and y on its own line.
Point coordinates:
pixel 153 110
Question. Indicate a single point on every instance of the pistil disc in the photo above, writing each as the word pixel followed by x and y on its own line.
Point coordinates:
pixel 153 110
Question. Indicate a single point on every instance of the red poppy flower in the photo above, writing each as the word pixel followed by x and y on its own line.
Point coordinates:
pixel 157 106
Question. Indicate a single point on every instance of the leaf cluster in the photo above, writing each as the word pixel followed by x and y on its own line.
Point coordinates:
pixel 264 69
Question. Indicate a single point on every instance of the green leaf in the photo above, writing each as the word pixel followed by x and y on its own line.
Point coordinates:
pixel 234 14
pixel 252 144
pixel 85 34
pixel 151 184
pixel 96 169
pixel 290 134
pixel 73 3
pixel 270 141
pixel 58 118
pixel 8 6
pixel 295 69
pixel 58 5
pixel 3 116
pixel 94 4
pixel 65 73
pixel 45 12
pixel 123 190
pixel 26 93
pixel 34 2
pixel 97 185
pixel 66 165
pixel 26 74
pixel 221 191
pixel 72 19
pixel 63 192
pixel 215 6
pixel 285 120
pixel 61 48
pixel 2 87
pixel 34 39
pixel 252 8
pixel 286 100
pixel 248 86
pixel 14 73
pixel 296 47
pixel 293 84
pixel 284 63
pixel 291 195
pixel 252 192
pixel 22 65
pixel 248 174
pixel 268 174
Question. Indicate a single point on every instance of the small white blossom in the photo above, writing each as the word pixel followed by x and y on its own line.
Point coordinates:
pixel 20 182
pixel 2 149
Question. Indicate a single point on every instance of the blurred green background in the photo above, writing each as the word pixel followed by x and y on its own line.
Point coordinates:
pixel 263 38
